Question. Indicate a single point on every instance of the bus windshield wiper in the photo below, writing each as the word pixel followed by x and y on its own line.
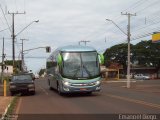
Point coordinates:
pixel 88 72
pixel 76 71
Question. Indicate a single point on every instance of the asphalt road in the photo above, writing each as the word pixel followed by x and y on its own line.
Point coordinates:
pixel 113 99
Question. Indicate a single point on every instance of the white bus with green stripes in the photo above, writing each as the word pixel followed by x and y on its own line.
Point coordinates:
pixel 74 69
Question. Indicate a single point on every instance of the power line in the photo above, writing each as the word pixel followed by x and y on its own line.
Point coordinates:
pixel 146 26
pixel 4 29
pixel 136 4
pixel 36 57
pixel 147 6
pixel 5 18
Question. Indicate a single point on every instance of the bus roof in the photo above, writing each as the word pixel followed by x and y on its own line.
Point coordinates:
pixel 76 48
pixel 71 48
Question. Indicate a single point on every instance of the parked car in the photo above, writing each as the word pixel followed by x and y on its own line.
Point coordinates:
pixel 141 77
pixel 21 83
pixel 36 76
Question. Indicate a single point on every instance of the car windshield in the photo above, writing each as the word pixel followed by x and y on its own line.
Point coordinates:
pixel 80 64
pixel 22 78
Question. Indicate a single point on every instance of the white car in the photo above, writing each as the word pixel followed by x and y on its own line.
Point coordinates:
pixel 141 77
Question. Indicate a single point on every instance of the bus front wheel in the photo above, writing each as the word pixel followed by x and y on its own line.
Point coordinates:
pixel 49 85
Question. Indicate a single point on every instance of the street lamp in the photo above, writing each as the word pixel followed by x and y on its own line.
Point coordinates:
pixel 14 36
pixel 117 26
pixel 36 21
pixel 128 37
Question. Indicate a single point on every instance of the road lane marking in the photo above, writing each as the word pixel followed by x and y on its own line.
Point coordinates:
pixel 43 90
pixel 135 101
pixel 117 81
pixel 18 106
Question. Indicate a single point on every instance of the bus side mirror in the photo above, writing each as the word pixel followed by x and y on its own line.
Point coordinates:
pixel 101 58
pixel 59 59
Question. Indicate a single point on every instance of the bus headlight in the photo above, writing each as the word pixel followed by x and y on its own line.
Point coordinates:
pixel 97 82
pixel 66 83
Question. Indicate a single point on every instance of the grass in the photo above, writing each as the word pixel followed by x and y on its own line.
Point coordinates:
pixel 9 113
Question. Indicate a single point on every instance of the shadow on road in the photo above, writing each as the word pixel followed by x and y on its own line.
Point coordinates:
pixel 70 95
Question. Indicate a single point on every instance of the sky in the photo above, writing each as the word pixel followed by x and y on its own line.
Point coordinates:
pixel 67 22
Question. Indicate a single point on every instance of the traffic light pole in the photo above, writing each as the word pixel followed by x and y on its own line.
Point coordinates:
pixel 48 49
pixel 34 49
pixel 22 56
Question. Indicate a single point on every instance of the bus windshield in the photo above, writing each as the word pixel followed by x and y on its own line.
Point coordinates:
pixel 80 65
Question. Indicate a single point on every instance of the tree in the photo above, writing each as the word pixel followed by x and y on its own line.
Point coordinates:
pixel 147 54
pixel 117 54
pixel 144 54
pixel 41 72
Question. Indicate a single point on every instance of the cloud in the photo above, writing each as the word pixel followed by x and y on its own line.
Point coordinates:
pixel 64 22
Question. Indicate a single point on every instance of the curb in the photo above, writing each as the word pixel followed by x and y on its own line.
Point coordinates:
pixel 8 108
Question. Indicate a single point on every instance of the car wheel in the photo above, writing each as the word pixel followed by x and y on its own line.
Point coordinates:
pixel 12 93
pixel 89 93
pixel 33 93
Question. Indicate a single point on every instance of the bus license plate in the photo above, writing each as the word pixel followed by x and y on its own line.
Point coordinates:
pixel 83 89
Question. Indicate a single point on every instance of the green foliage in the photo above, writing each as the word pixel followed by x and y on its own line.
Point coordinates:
pixel 41 71
pixel 144 53
pixel 11 108
pixel 117 54
pixel 147 54
pixel 17 63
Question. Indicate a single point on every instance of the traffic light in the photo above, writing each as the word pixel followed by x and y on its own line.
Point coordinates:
pixel 48 49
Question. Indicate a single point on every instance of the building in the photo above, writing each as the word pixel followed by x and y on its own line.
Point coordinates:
pixel 8 70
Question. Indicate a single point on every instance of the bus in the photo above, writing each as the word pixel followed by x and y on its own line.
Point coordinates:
pixel 74 69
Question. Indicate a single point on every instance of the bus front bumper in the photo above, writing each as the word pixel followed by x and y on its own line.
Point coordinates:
pixel 71 89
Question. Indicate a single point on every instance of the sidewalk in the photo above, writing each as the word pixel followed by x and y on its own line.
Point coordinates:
pixel 4 101
pixel 149 86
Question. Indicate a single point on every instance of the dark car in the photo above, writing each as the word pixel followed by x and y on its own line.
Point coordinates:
pixel 22 83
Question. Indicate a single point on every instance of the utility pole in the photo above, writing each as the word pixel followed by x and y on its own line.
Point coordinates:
pixel 13 35
pixel 2 67
pixel 22 55
pixel 129 49
pixel 85 42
